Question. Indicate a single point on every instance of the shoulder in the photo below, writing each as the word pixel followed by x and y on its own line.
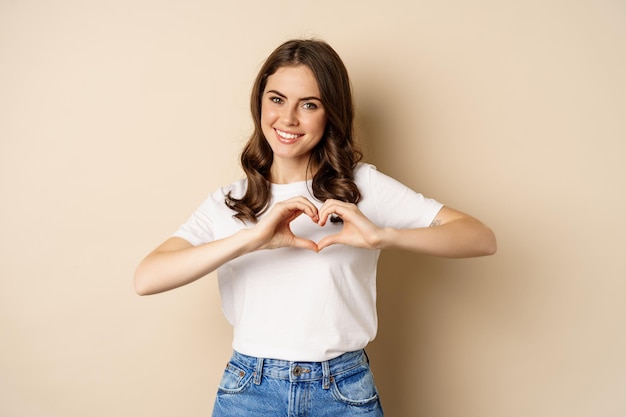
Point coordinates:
pixel 364 171
pixel 376 184
pixel 236 189
pixel 216 199
pixel 367 176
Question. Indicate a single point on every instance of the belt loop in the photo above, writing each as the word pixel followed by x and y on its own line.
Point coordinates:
pixel 326 378
pixel 258 372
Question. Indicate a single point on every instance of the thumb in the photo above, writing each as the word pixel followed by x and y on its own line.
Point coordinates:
pixel 305 244
pixel 328 241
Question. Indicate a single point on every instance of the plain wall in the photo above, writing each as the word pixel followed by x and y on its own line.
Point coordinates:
pixel 117 118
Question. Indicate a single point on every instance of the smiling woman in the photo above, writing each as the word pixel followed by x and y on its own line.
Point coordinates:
pixel 293 120
pixel 268 236
pixel 333 160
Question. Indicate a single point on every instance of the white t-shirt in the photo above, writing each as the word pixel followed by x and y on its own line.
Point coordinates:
pixel 295 304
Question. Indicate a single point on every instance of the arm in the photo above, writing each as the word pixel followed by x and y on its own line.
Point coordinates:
pixel 177 262
pixel 452 234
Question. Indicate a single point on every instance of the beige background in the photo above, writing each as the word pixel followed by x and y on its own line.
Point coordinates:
pixel 118 117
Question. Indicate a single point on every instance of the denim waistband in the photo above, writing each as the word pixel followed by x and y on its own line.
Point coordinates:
pixel 302 371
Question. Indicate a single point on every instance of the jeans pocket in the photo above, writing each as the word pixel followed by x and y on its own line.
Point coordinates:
pixel 235 379
pixel 357 388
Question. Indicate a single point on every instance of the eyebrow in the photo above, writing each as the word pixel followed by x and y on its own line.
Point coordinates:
pixel 278 93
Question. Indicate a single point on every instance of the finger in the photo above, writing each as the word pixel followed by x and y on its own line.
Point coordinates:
pixel 329 241
pixel 301 203
pixel 333 207
pixel 325 211
pixel 305 244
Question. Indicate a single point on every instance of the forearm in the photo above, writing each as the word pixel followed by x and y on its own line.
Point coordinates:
pixel 176 262
pixel 460 238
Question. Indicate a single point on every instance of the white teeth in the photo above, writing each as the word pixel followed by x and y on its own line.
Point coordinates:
pixel 286 135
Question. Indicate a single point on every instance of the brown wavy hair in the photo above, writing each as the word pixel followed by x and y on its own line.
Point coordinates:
pixel 335 156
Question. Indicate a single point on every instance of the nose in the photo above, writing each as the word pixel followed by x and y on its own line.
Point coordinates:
pixel 289 116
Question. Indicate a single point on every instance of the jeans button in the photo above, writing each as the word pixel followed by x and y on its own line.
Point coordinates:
pixel 297 371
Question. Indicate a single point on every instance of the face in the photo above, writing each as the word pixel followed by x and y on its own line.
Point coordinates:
pixel 293 118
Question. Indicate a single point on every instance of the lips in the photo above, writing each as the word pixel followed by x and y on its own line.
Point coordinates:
pixel 286 137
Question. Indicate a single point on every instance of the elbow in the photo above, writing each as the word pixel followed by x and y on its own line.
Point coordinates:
pixel 141 286
pixel 490 244
pixel 482 243
pixel 491 250
pixel 141 289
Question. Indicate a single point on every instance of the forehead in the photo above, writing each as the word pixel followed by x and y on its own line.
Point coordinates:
pixel 296 80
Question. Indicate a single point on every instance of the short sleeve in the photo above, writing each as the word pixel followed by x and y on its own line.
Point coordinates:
pixel 198 229
pixel 397 205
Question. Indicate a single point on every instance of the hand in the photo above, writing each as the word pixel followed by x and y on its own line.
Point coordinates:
pixel 274 229
pixel 357 231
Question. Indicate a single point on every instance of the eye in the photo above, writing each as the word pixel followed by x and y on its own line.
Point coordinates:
pixel 309 106
pixel 276 99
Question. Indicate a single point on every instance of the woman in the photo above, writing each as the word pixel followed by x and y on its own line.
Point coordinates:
pixel 296 244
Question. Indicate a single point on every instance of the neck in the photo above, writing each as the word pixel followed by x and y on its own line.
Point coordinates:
pixel 285 172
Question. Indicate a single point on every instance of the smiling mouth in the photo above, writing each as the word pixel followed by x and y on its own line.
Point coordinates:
pixel 287 137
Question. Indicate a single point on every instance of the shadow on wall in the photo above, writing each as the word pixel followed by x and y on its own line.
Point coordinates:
pixel 404 281
pixel 405 320
pixel 400 286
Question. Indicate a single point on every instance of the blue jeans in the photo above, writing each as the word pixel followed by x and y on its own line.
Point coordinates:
pixel 256 387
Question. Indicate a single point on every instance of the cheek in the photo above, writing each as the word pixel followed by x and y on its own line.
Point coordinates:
pixel 268 114
pixel 319 124
pixel 267 122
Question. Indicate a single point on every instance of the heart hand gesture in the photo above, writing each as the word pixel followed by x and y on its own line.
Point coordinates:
pixel 274 230
pixel 357 231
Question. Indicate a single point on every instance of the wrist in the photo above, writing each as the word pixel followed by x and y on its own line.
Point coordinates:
pixel 248 240
pixel 386 238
